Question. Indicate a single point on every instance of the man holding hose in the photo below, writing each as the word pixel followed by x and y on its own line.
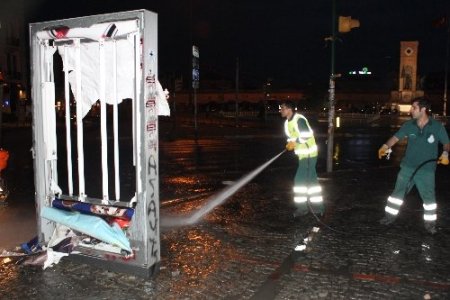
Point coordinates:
pixel 301 141
pixel 418 165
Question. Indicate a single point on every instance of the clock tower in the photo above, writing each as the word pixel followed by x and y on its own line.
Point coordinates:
pixel 407 77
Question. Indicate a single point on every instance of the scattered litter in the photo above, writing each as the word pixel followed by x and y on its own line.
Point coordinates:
pixel 99 245
pixel 315 229
pixel 25 250
pixel 31 246
pixel 53 258
pixel 60 233
pixel 6 253
pixel 91 225
pixel 7 260
pixel 36 260
pixel 396 251
pixel 62 243
pixel 300 248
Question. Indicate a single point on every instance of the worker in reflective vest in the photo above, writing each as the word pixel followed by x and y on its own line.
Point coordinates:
pixel 301 141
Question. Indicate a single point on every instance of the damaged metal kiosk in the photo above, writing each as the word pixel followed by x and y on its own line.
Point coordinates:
pixel 96 101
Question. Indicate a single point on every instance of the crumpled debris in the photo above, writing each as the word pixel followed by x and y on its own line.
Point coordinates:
pixel 22 252
pixel 53 257
pixel 6 253
pixel 300 248
pixel 61 243
pixel 60 233
pixel 32 246
pixel 28 250
pixel 307 239
pixel 92 243
pixel 93 226
pixel 6 260
pixel 35 260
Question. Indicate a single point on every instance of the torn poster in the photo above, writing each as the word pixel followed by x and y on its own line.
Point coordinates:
pixel 93 209
pixel 118 41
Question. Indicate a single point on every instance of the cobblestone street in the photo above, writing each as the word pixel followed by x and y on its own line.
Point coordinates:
pixel 245 248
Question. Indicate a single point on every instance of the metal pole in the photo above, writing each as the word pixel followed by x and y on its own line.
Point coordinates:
pixel 2 80
pixel 237 92
pixel 174 106
pixel 444 112
pixel 79 120
pixel 331 98
pixel 68 124
pixel 1 112
pixel 195 112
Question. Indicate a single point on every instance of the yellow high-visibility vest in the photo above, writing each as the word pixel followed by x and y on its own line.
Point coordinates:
pixel 304 137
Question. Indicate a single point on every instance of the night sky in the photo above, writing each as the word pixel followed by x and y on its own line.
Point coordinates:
pixel 282 40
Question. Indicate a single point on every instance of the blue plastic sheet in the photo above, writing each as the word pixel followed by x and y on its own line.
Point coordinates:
pixel 91 225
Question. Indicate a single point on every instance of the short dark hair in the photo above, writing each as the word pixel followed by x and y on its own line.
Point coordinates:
pixel 422 102
pixel 288 104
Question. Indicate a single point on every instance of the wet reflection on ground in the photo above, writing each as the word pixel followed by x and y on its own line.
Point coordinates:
pixel 237 249
pixel 197 256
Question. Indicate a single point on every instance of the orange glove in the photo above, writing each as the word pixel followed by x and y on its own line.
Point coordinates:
pixel 443 159
pixel 290 146
pixel 383 151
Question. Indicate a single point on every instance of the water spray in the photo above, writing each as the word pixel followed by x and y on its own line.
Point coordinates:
pixel 217 199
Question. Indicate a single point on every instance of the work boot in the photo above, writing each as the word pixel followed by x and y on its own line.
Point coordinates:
pixel 387 220
pixel 430 227
pixel 300 212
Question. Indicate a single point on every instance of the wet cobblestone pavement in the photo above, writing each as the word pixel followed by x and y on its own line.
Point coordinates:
pixel 244 249
pixel 250 253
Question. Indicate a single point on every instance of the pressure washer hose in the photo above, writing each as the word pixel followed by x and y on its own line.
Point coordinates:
pixel 406 191
pixel 310 206
pixel 419 167
pixel 409 184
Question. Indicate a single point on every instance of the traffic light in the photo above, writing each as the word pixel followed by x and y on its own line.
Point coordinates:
pixel 347 23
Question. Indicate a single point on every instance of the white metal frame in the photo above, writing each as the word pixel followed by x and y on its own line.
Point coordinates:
pixel 144 229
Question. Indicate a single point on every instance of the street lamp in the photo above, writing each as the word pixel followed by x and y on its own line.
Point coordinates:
pixel 345 25
pixel 444 113
pixel 2 80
